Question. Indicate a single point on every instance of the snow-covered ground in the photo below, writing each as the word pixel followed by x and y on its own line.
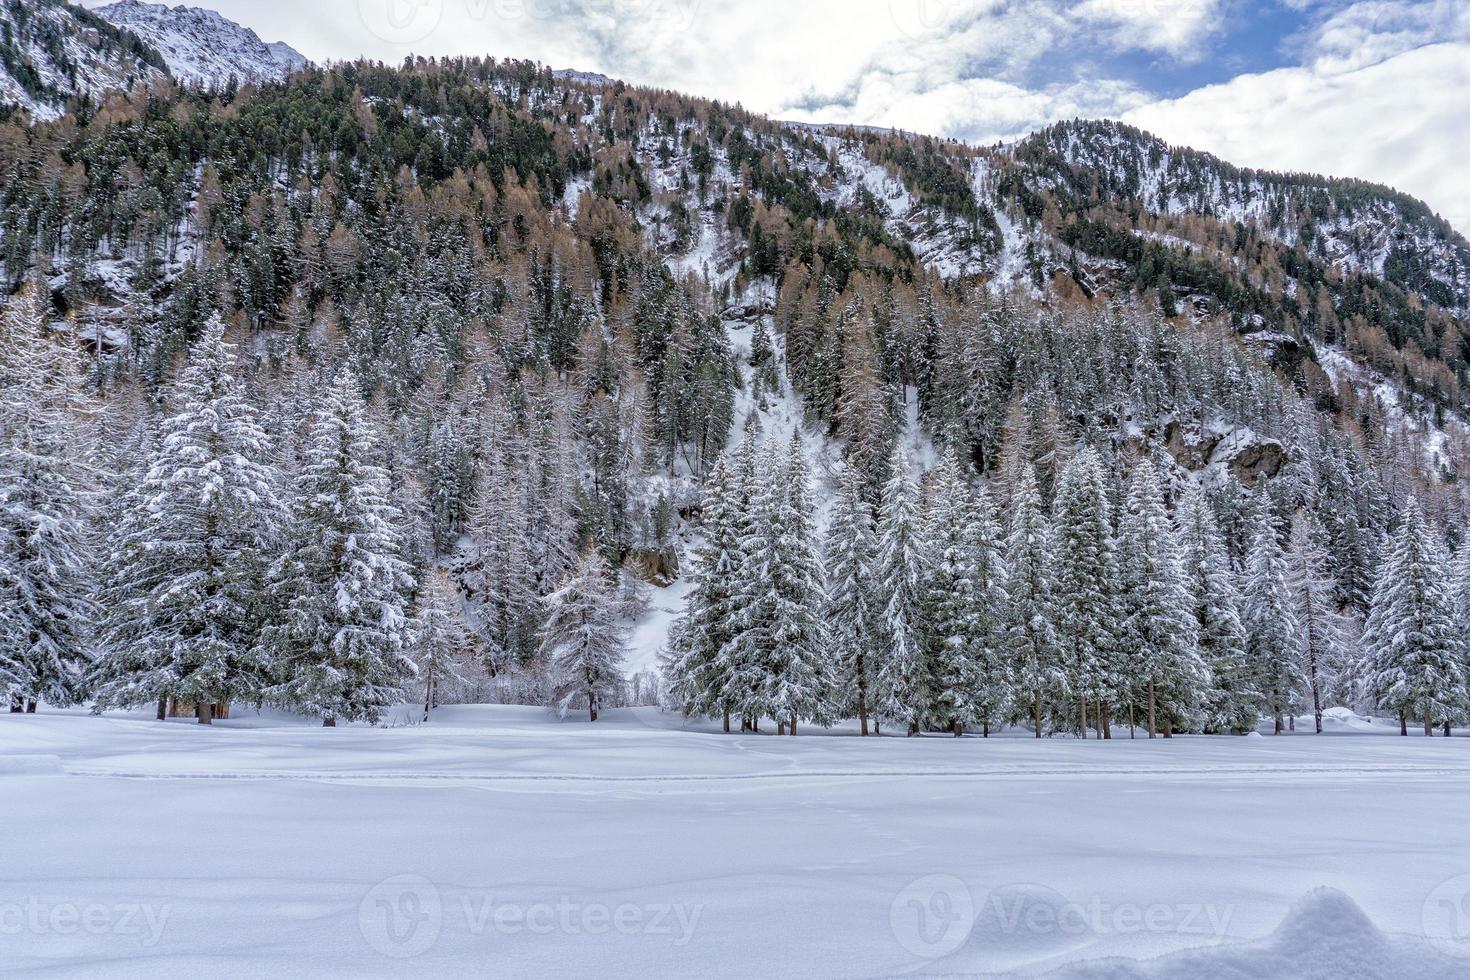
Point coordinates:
pixel 501 842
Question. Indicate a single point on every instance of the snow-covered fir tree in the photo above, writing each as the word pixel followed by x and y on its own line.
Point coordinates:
pixel 1232 702
pixel 442 646
pixel 339 643
pixel 1323 629
pixel 952 600
pixel 850 613
pixel 47 560
pixel 1085 580
pixel 186 566
pixel 1160 630
pixel 1036 658
pixel 904 684
pixel 582 639
pixel 1415 657
pixel 1273 636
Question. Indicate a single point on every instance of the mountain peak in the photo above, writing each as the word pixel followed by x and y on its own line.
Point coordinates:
pixel 203 47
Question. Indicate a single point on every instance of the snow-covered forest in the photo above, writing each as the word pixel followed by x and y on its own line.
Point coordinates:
pixel 388 404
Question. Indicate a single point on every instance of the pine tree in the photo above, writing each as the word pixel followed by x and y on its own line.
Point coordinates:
pixel 1313 594
pixel 850 609
pixel 1030 603
pixel 582 639
pixel 1273 638
pixel 1414 655
pixel 953 601
pixel 991 697
pixel 904 685
pixel 1232 702
pixel 1085 575
pixel 340 645
pixel 1160 628
pixel 186 564
pixel 46 556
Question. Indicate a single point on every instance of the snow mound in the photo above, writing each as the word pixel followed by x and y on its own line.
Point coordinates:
pixel 30 765
pixel 1324 936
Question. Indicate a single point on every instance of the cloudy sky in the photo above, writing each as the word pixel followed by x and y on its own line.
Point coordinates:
pixel 1369 88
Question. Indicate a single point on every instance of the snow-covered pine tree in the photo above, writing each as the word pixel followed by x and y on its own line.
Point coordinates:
pixel 1324 631
pixel 186 566
pixel 1084 579
pixel 697 675
pixel 1273 637
pixel 339 647
pixel 952 599
pixel 442 646
pixel 904 688
pixel 1232 702
pixel 1414 655
pixel 851 556
pixel 582 639
pixel 47 561
pixel 1030 604
pixel 990 698
pixel 1159 628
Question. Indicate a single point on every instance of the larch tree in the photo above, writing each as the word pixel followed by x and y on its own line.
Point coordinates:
pixel 582 639
pixel 341 640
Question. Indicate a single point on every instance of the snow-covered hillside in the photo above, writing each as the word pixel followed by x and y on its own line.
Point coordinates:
pixel 51 51
pixel 201 46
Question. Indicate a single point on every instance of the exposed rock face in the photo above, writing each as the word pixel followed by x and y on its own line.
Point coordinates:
pixel 1215 450
pixel 657 566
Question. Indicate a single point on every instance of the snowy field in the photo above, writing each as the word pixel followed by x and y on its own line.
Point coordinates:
pixel 501 842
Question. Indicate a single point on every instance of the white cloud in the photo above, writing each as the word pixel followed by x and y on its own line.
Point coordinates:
pixel 1177 27
pixel 1401 121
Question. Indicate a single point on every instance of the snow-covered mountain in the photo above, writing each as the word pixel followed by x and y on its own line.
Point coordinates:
pixel 51 51
pixel 201 46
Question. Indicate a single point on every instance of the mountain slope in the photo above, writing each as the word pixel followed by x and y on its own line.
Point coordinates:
pixel 201 46
pixel 51 51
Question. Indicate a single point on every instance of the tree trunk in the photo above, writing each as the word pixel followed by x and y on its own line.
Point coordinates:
pixel 17 705
pixel 1428 724
pixel 959 729
pixel 987 728
pixel 1132 726
pixel 1403 724
pixel 428 694
pixel 1107 723
pixel 163 707
pixel 862 704
pixel 793 724
pixel 1152 729
pixel 877 726
pixel 1291 722
pixel 913 728
pixel 30 707
pixel 330 721
pixel 727 721
pixel 1082 716
pixel 1036 710
pixel 1448 733
pixel 1168 726
pixel 204 712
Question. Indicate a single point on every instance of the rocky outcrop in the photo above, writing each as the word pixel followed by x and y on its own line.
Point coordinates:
pixel 1213 450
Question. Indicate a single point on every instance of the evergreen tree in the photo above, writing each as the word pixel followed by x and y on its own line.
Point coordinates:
pixel 1414 656
pixel 340 646
pixel 1030 602
pixel 1273 638
pixel 1085 575
pixel 850 612
pixel 582 639
pixel 904 685
pixel 1232 702
pixel 186 564
pixel 1160 628
pixel 442 646
pixel 47 610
